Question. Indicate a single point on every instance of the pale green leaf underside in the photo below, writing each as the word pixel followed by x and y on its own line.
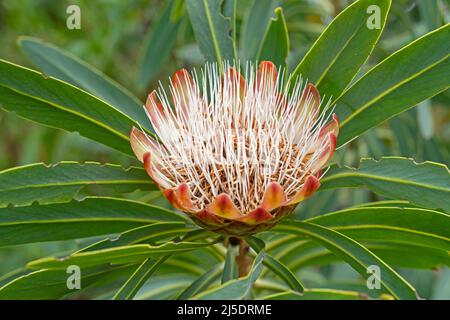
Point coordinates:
pixel 118 255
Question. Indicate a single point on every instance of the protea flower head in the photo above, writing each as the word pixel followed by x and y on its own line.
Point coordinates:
pixel 237 155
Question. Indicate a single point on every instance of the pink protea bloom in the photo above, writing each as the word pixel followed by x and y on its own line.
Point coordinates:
pixel 237 155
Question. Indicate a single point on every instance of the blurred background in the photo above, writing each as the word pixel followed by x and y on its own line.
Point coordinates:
pixel 124 39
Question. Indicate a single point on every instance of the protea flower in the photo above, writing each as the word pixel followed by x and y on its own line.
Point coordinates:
pixel 237 155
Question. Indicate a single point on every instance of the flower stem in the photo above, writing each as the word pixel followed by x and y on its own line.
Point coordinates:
pixel 244 261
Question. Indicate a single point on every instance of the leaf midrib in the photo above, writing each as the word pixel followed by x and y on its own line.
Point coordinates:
pixel 333 61
pixel 141 250
pixel 389 227
pixel 60 107
pixel 213 34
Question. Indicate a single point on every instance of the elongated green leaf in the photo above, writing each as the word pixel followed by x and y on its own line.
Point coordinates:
pixel 158 44
pixel 391 224
pixel 354 254
pixel 318 294
pixel 145 234
pixel 230 269
pixel 426 184
pixel 387 203
pixel 277 266
pixel 413 74
pixel 255 26
pixel 62 181
pixel 61 64
pixel 118 255
pixel 343 47
pixel 164 287
pixel 284 273
pixel 235 289
pixel 52 284
pixel 138 278
pixel 55 103
pixel 77 219
pixel 398 255
pixel 211 30
pixel 202 283
pixel 256 243
pixel 275 46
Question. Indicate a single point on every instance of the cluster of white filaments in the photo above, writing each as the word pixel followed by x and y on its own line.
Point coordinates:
pixel 218 137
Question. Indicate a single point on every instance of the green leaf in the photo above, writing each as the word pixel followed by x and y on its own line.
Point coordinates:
pixel 57 104
pixel 387 203
pixel 145 234
pixel 344 46
pixel 52 284
pixel 229 11
pixel 284 273
pixel 391 224
pixel 77 219
pixel 202 283
pixel 138 279
pixel 211 30
pixel 230 269
pixel 61 64
pixel 164 287
pixel 318 294
pixel 426 184
pixel 256 243
pixel 354 254
pixel 255 26
pixel 235 289
pixel 399 255
pixel 413 74
pixel 277 266
pixel 62 181
pixel 275 46
pixel 158 44
pixel 118 255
